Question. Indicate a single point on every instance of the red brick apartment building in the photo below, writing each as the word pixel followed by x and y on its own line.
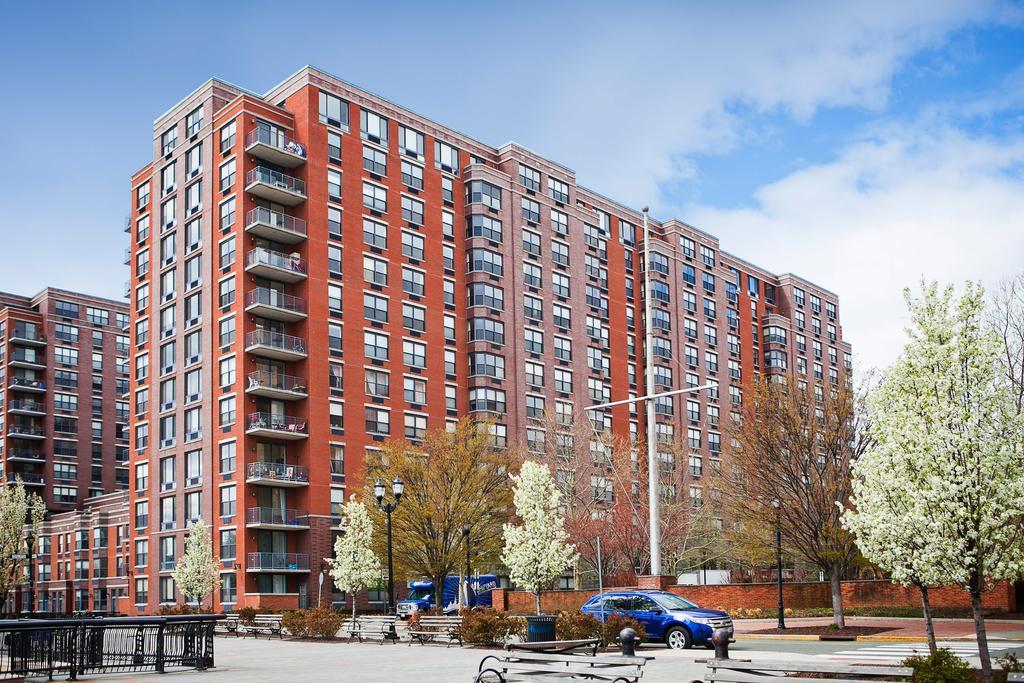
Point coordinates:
pixel 316 269
pixel 64 379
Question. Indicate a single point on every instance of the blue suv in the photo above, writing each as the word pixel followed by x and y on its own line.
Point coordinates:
pixel 665 616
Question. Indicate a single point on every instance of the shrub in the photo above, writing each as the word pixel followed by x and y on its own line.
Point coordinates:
pixel 485 626
pixel 1010 664
pixel 171 610
pixel 323 622
pixel 614 623
pixel 941 667
pixel 246 615
pixel 577 626
pixel 295 622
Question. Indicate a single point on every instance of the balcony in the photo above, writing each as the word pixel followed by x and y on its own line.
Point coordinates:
pixel 24 455
pixel 27 358
pixel 27 478
pixel 277 562
pixel 275 305
pixel 276 426
pixel 276 345
pixel 30 337
pixel 25 406
pixel 274 225
pixel 275 186
pixel 26 384
pixel 274 265
pixel 276 385
pixel 276 518
pixel 276 474
pixel 25 431
pixel 275 146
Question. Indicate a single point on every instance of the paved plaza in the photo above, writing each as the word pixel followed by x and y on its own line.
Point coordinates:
pixel 272 661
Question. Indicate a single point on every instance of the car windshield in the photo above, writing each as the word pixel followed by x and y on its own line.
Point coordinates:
pixel 671 601
pixel 419 594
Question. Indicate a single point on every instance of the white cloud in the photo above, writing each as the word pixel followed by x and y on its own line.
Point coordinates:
pixel 889 210
pixel 634 90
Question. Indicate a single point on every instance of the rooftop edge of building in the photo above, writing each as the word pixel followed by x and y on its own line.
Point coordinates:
pixel 307 70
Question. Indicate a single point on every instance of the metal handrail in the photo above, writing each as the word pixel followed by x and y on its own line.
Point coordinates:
pixel 275 138
pixel 276 219
pixel 268 257
pixel 262 174
pixel 277 470
pixel 276 380
pixel 277 340
pixel 272 297
pixel 265 560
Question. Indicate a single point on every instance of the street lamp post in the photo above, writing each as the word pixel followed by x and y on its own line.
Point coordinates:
pixel 397 488
pixel 777 504
pixel 465 536
pixel 30 541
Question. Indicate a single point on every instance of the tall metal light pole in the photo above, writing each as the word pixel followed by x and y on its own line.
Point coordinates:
pixel 652 472
pixel 777 504
pixel 465 536
pixel 397 488
pixel 653 501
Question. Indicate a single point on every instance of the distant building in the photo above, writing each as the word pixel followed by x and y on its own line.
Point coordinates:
pixel 64 376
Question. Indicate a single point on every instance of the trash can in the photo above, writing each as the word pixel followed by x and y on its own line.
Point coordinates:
pixel 540 628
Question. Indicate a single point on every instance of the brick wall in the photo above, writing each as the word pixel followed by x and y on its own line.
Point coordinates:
pixel 796 595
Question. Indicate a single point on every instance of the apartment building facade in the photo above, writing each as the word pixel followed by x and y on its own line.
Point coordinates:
pixel 316 270
pixel 64 373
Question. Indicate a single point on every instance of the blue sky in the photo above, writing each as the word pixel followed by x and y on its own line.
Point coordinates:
pixel 863 145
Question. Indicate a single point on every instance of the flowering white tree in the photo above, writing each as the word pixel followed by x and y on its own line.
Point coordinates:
pixel 197 573
pixel 354 565
pixel 948 416
pixel 890 527
pixel 536 551
pixel 17 507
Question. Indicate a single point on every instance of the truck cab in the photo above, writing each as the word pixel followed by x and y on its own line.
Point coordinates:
pixel 421 595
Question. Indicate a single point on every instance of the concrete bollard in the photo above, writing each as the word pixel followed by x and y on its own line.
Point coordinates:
pixel 627 639
pixel 720 639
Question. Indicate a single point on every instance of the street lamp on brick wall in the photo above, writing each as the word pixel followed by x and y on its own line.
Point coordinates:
pixel 777 504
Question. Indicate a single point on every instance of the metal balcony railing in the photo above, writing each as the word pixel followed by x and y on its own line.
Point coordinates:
pixel 276 340
pixel 280 561
pixel 292 263
pixel 275 138
pixel 278 516
pixel 265 296
pixel 278 471
pixel 275 219
pixel 262 174
pixel 277 423
pixel 274 380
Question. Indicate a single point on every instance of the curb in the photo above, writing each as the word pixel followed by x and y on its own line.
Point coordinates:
pixel 772 636
pixel 892 639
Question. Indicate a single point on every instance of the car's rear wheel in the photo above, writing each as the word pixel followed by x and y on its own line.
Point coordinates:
pixel 678 638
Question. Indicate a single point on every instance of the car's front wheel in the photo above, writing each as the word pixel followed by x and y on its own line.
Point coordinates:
pixel 678 638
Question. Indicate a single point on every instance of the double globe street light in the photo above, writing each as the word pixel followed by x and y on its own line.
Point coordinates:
pixel 397 489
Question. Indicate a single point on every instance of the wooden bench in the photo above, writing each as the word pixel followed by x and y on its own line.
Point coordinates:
pixel 229 625
pixel 532 666
pixel 372 627
pixel 747 671
pixel 559 646
pixel 428 628
pixel 264 623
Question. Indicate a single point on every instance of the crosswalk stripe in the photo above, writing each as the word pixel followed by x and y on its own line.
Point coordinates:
pixel 901 651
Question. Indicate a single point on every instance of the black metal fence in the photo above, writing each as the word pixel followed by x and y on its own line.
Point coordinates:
pixel 72 647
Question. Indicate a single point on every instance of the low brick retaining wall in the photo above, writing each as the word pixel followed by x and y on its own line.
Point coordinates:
pixel 796 595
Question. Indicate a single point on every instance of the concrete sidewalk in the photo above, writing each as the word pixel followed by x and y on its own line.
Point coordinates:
pixel 896 628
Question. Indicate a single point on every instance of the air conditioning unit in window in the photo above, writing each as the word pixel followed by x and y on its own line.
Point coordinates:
pixel 192 436
pixel 192 321
pixel 166 443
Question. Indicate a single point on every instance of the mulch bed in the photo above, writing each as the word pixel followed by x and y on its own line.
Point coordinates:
pixel 848 633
